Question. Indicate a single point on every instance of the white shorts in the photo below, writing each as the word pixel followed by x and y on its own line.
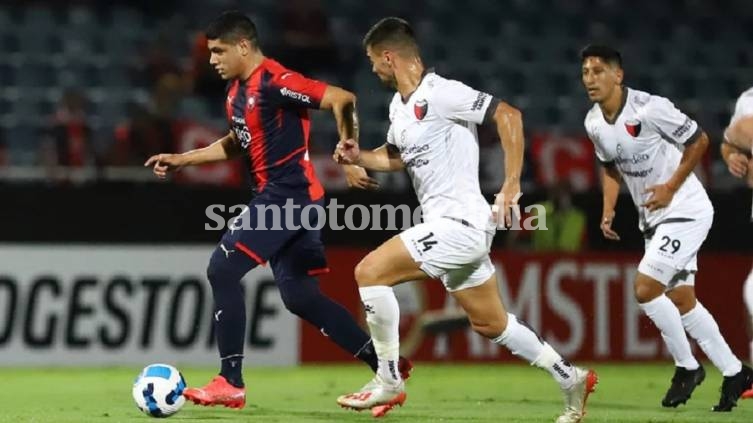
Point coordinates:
pixel 448 250
pixel 671 255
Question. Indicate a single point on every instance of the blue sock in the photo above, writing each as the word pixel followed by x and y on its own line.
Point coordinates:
pixel 229 314
pixel 303 297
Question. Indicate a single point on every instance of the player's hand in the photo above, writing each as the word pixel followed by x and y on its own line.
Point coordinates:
pixel 358 178
pixel 347 152
pixel 737 164
pixel 606 227
pixel 661 196
pixel 505 202
pixel 164 163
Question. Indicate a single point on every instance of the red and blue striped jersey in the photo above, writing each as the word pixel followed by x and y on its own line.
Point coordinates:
pixel 269 114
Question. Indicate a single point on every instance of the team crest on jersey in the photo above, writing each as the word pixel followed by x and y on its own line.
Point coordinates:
pixel 420 108
pixel 633 127
pixel 251 102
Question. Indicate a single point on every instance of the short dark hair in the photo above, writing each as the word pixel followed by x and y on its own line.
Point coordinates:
pixel 393 32
pixel 607 54
pixel 232 27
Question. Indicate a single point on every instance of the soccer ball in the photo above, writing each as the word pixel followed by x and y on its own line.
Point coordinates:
pixel 158 390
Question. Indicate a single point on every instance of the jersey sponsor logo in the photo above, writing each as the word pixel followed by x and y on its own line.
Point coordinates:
pixel 420 108
pixel 416 163
pixel 638 173
pixel 243 135
pixel 633 127
pixel 479 103
pixel 295 95
pixel 414 149
pixel 635 159
pixel 683 129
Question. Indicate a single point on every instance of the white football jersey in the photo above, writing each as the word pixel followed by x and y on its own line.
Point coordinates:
pixel 644 142
pixel 435 132
pixel 743 108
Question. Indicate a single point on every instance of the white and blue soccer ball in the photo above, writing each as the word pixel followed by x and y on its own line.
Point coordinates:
pixel 158 390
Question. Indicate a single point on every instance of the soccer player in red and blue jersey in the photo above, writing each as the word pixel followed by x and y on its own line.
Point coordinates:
pixel 267 109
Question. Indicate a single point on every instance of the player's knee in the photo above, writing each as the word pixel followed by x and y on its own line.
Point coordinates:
pixel 297 301
pixel 683 299
pixel 220 272
pixel 366 273
pixel 296 304
pixel 489 328
pixel 647 289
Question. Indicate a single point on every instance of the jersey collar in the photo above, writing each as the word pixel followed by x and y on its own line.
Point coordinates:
pixel 619 111
pixel 423 75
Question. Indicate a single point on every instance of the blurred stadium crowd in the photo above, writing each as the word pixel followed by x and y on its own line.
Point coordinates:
pixel 94 84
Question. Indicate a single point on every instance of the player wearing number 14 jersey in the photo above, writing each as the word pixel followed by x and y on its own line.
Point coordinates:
pixel 651 145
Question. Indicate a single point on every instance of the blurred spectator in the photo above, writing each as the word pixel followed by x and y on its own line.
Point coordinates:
pixel 204 79
pixel 68 142
pixel 158 62
pixel 307 44
pixel 149 130
pixel 566 224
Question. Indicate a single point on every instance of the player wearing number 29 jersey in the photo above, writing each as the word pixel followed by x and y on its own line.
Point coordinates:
pixel 647 142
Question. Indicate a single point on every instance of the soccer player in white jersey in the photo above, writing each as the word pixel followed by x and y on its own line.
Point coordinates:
pixel 433 136
pixel 736 151
pixel 654 147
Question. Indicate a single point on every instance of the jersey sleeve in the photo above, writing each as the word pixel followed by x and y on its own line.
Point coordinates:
pixel 743 107
pixel 291 89
pixel 391 136
pixel 600 156
pixel 673 124
pixel 456 101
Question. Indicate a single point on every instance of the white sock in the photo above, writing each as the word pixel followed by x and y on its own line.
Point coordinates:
pixel 748 297
pixel 748 293
pixel 667 318
pixel 523 342
pixel 383 318
pixel 702 327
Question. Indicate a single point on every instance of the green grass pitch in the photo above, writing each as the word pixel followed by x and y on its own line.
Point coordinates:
pixel 436 393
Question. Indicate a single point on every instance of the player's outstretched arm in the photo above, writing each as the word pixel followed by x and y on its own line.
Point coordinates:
pixel 509 123
pixel 610 181
pixel 224 148
pixel 740 134
pixel 383 159
pixel 737 161
pixel 343 106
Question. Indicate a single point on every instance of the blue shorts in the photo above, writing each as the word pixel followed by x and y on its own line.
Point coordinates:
pixel 292 253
